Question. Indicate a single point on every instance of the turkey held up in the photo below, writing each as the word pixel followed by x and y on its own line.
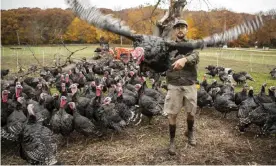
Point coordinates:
pixel 152 51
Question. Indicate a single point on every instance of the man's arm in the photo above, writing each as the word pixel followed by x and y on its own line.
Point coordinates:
pixel 192 58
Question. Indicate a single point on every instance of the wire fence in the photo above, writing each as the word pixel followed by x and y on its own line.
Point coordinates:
pixel 247 60
pixel 15 58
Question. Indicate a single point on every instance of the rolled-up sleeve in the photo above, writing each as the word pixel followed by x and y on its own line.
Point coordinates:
pixel 193 57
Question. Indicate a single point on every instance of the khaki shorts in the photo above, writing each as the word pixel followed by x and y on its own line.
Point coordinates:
pixel 178 96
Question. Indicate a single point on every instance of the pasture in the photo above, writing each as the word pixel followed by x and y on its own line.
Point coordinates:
pixel 219 142
pixel 257 62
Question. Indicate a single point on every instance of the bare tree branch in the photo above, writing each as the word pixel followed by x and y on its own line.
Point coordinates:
pixel 68 59
pixel 150 17
pixel 207 3
pixel 33 54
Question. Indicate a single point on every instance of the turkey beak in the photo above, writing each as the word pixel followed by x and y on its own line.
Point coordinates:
pixel 18 90
pixel 131 73
pixel 93 83
pixel 47 84
pixel 120 91
pixel 152 81
pixel 73 88
pixel 72 105
pixel 36 80
pixel 98 90
pixel 39 86
pixel 42 96
pixel 63 101
pixel 5 95
pixel 20 100
pixel 31 109
pixel 273 88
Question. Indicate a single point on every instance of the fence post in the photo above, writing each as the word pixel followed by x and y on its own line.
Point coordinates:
pixel 217 58
pixel 251 62
pixel 17 61
pixel 43 57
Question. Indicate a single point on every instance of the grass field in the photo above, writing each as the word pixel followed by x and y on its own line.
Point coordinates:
pixel 257 62
pixel 218 140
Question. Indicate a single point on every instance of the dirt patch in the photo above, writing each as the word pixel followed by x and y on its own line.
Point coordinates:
pixel 219 142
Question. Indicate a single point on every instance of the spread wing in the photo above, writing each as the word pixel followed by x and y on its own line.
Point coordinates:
pixel 93 16
pixel 248 27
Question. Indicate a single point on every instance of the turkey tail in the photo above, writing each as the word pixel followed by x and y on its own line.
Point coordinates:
pixel 136 115
pixel 131 117
pixel 36 156
pixel 94 16
pixel 8 136
pixel 98 133
pixel 12 131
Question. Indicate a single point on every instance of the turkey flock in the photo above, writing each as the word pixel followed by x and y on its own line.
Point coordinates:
pixel 257 109
pixel 107 95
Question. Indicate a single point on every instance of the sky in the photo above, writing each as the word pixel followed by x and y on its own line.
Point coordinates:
pixel 245 6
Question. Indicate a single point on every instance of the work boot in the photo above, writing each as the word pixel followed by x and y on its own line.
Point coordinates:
pixel 191 138
pixel 190 133
pixel 172 149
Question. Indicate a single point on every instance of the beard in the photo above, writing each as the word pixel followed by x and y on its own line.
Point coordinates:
pixel 180 35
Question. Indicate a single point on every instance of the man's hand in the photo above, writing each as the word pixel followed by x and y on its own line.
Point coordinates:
pixel 179 64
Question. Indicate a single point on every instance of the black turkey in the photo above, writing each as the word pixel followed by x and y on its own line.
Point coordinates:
pixel 203 99
pixel 212 72
pixel 111 116
pixel 263 98
pixel 82 124
pixel 32 81
pixel 37 142
pixel 6 108
pixel 241 96
pixel 4 73
pixel 128 96
pixel 125 111
pixel 153 51
pixel 204 83
pixel 224 103
pixel 247 76
pixel 148 105
pixel 43 115
pixel 55 122
pixel 247 105
pixel 241 77
pixel 210 67
pixel 273 73
pixel 82 102
pixel 270 125
pixel 224 77
pixel 66 124
pixel 259 116
pixel 15 122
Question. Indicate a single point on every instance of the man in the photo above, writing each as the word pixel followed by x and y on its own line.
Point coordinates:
pixel 181 78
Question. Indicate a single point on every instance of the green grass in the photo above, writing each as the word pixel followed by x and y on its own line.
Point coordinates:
pixel 257 62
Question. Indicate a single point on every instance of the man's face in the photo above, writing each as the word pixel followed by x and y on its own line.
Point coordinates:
pixel 180 31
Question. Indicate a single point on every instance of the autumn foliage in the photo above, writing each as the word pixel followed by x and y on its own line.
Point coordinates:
pixel 38 26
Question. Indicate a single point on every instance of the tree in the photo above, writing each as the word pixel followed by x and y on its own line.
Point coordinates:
pixel 80 32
